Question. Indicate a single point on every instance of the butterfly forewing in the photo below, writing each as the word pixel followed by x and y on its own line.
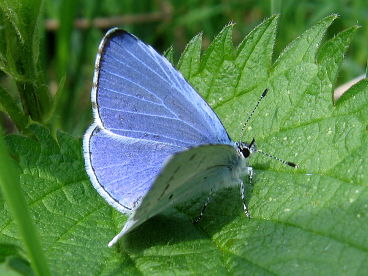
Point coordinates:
pixel 139 94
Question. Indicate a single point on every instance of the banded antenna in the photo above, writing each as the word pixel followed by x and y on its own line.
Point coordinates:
pixel 251 114
pixel 287 163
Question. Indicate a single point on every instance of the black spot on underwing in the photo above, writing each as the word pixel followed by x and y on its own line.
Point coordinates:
pixel 175 171
pixel 192 157
pixel 163 192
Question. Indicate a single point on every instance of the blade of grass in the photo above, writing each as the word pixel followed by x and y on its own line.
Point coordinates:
pixel 275 7
pixel 76 78
pixel 67 13
pixel 12 193
pixel 67 104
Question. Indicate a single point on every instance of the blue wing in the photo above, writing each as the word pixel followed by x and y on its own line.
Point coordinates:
pixel 144 112
pixel 122 168
pixel 139 94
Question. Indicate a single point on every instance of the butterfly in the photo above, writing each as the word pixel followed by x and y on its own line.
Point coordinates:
pixel 155 142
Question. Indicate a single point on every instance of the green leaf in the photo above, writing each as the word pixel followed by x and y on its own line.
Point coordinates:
pixel 329 58
pixel 254 56
pixel 311 220
pixel 74 223
pixel 189 61
pixel 169 54
pixel 215 61
pixel 304 48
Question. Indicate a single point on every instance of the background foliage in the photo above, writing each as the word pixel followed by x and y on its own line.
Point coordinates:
pixel 312 221
pixel 64 66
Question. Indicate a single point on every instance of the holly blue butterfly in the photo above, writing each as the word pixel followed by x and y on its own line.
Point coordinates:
pixel 154 142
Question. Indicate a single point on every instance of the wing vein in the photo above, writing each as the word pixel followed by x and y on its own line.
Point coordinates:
pixel 141 62
pixel 154 58
pixel 136 173
pixel 156 116
pixel 150 133
pixel 132 96
pixel 135 83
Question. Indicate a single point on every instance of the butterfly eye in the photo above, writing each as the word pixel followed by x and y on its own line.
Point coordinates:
pixel 245 151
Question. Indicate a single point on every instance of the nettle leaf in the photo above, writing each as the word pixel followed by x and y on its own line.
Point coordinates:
pixel 311 220
pixel 169 54
pixel 73 221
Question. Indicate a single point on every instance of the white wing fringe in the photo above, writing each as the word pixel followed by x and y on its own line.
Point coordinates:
pixel 127 227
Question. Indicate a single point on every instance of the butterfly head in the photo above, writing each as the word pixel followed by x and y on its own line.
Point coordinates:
pixel 247 149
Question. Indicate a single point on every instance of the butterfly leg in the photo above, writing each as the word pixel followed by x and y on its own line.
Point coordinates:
pixel 198 218
pixel 250 173
pixel 242 191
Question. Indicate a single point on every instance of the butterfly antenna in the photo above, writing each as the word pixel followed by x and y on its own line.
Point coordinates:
pixel 254 109
pixel 291 164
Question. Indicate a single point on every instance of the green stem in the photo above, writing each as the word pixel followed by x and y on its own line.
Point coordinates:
pixel 30 100
pixel 12 193
pixel 12 109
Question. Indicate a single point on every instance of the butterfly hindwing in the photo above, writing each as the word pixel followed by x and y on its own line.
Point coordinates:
pixel 188 175
pixel 121 168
